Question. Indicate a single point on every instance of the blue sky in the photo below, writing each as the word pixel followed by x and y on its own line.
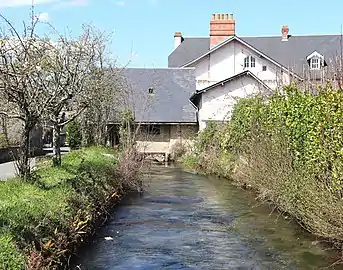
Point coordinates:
pixel 144 29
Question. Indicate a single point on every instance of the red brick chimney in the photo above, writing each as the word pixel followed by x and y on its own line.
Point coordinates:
pixel 284 32
pixel 221 27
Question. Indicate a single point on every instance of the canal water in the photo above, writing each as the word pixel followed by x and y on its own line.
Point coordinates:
pixel 189 221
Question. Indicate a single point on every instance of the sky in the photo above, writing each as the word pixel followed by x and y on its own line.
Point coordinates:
pixel 143 30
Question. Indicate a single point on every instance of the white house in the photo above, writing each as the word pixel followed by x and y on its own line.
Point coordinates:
pixel 228 67
pixel 215 102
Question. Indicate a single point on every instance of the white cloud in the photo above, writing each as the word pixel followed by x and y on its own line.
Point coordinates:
pixel 43 17
pixel 17 3
pixel 120 3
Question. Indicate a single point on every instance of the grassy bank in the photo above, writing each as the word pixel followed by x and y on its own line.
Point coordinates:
pixel 289 148
pixel 42 222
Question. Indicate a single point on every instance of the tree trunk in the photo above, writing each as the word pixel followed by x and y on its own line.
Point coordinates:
pixel 22 160
pixel 4 130
pixel 56 145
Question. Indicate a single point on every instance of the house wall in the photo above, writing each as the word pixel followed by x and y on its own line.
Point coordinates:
pixel 217 104
pixel 228 61
pixel 163 142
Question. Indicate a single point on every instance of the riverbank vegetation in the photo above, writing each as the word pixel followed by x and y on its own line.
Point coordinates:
pixel 53 82
pixel 289 148
pixel 43 222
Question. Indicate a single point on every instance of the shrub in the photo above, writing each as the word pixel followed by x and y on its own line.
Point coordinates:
pixel 74 135
pixel 3 141
pixel 178 150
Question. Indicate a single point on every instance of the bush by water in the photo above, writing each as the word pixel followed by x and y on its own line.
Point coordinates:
pixel 289 148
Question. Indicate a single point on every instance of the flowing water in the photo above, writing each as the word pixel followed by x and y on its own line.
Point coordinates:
pixel 188 221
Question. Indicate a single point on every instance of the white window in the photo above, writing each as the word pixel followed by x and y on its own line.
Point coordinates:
pixel 246 62
pixel 249 61
pixel 315 63
pixel 252 61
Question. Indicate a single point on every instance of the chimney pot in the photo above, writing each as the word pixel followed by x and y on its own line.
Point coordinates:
pixel 178 34
pixel 222 15
pixel 284 32
pixel 226 17
pixel 218 16
pixel 231 17
pixel 213 17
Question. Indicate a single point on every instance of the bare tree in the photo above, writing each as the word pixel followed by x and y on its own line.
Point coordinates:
pixel 69 80
pixel 20 60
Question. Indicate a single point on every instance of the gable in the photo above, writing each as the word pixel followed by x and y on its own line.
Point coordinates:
pixel 245 81
pixel 216 102
pixel 237 39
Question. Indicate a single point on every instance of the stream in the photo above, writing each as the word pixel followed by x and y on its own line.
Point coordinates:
pixel 189 221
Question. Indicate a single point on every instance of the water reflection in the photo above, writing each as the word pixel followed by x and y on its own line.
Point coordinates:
pixel 187 221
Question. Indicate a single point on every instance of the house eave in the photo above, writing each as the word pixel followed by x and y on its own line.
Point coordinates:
pixel 155 123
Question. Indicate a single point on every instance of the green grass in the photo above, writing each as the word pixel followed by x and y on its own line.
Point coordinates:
pixel 34 212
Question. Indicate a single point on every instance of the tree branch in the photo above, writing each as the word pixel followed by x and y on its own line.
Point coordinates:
pixel 16 116
pixel 72 117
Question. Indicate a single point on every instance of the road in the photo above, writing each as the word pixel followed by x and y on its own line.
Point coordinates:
pixel 8 170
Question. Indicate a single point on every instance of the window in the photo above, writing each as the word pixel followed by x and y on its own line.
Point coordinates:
pixel 252 61
pixel 249 61
pixel 315 63
pixel 151 91
pixel 264 68
pixel 246 62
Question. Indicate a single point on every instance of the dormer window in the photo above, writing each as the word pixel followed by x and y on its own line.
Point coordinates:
pixel 316 61
pixel 249 61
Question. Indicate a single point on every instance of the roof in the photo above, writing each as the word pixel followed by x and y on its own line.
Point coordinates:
pixel 196 96
pixel 171 89
pixel 189 49
pixel 290 54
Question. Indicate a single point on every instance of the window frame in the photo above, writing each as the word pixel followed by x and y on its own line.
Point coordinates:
pixel 151 91
pixel 315 63
pixel 249 62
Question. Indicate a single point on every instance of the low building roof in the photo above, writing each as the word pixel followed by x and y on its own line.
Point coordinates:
pixel 160 95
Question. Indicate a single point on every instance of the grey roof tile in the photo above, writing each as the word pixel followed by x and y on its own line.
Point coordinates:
pixel 291 54
pixel 172 89
pixel 188 50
